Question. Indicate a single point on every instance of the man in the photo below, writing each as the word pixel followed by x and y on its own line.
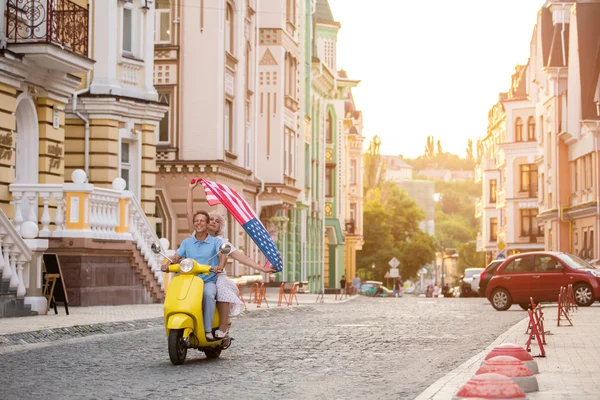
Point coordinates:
pixel 343 284
pixel 202 248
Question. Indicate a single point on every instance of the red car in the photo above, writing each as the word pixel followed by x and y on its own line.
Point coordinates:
pixel 540 275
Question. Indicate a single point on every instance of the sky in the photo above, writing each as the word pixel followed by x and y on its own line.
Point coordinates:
pixel 431 67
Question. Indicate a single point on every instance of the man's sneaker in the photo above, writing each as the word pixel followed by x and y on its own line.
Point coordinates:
pixel 219 334
pixel 209 336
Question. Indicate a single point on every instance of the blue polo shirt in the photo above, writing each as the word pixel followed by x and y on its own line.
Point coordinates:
pixel 202 251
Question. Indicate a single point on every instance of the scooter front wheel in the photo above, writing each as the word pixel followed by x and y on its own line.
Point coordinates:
pixel 177 347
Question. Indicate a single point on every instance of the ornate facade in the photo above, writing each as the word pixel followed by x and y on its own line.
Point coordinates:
pixel 551 114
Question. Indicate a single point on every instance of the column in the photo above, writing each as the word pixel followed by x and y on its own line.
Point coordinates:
pixel 104 158
pixel 51 119
pixel 8 107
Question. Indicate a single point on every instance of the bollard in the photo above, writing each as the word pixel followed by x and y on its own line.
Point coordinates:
pixel 282 296
pixel 513 350
pixel 293 295
pixel 490 386
pixel 512 367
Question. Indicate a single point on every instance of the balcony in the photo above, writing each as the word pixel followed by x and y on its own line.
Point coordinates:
pixel 500 198
pixel 478 174
pixel 478 208
pixel 51 33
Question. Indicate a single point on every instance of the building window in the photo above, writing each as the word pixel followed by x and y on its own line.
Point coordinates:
pixel 126 163
pixel 529 179
pixel 353 212
pixel 493 190
pixel 531 129
pixel 529 226
pixel 162 22
pixel 519 130
pixel 290 14
pixel 127 30
pixel 329 182
pixel 493 229
pixel 228 125
pixel 163 126
pixel 329 128
pixel 229 29
pixel 353 171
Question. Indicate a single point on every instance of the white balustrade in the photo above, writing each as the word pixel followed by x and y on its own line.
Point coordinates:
pixel 104 206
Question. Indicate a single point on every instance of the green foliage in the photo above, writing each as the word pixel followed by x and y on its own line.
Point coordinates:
pixel 391 229
pixel 373 166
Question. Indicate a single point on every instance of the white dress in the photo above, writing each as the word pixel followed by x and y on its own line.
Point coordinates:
pixel 227 292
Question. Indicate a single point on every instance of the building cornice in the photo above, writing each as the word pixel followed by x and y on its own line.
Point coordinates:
pixel 587 209
pixel 548 215
pixel 217 167
pixel 516 148
pixel 117 107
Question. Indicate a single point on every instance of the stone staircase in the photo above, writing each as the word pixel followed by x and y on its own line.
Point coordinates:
pixel 10 304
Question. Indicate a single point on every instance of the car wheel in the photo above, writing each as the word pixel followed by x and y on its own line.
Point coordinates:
pixel 584 296
pixel 501 300
pixel 525 306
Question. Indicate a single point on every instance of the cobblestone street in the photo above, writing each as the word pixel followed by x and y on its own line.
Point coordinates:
pixel 365 348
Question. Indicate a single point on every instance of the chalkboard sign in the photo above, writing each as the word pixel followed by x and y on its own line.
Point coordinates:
pixel 59 294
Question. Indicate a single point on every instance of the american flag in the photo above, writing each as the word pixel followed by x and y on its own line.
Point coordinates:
pixel 217 193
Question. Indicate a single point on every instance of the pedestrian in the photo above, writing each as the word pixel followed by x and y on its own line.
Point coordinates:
pixel 343 284
pixel 356 283
pixel 395 292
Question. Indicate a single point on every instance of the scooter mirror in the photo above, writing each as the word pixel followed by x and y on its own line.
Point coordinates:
pixel 155 248
pixel 226 248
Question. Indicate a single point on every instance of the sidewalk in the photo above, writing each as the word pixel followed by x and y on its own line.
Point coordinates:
pixel 84 321
pixel 570 370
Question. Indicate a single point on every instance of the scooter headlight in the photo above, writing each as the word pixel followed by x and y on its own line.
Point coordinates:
pixel 186 265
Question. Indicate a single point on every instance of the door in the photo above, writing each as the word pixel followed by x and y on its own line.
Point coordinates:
pixel 547 278
pixel 516 277
pixel 26 149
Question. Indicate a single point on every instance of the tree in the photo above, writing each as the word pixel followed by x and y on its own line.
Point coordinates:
pixel 469 150
pixel 374 167
pixel 440 152
pixel 429 149
pixel 416 253
pixel 480 150
pixel 391 229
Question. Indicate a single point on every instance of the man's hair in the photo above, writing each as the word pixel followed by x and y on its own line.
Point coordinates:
pixel 201 212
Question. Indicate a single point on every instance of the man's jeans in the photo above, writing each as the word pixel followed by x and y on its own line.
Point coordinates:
pixel 209 304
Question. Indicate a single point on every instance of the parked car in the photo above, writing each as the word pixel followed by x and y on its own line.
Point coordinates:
pixel 486 275
pixel 465 282
pixel 540 275
pixel 368 289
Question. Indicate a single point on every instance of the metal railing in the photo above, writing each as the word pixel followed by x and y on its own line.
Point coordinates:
pixel 61 22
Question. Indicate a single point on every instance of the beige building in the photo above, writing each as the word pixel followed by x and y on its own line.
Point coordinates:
pixel 546 129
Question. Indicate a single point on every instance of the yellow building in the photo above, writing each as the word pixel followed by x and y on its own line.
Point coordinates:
pixel 70 99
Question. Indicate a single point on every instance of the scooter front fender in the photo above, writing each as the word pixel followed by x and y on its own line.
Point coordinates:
pixel 180 321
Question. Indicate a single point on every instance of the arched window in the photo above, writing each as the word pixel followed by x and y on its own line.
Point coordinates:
pixel 329 128
pixel 519 130
pixel 229 28
pixel 531 129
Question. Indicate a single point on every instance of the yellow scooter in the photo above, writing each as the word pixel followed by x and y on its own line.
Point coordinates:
pixel 183 310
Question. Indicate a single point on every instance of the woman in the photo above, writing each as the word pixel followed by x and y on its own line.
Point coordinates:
pixel 228 302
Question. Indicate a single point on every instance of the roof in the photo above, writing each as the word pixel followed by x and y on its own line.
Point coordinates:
pixel 323 12
pixel 588 37
pixel 556 57
pixel 546 32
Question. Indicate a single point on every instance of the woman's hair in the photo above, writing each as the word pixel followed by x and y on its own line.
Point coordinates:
pixel 222 224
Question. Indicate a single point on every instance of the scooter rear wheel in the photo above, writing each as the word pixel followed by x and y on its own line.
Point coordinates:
pixel 177 348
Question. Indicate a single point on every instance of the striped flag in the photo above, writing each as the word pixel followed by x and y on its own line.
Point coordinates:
pixel 217 193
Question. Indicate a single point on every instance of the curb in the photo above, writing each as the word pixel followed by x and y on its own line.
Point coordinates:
pixel 107 328
pixel 448 385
